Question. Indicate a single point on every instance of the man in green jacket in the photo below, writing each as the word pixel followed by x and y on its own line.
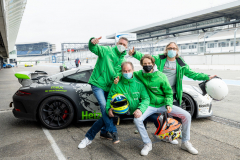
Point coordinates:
pixel 161 100
pixel 133 90
pixel 107 68
pixel 174 67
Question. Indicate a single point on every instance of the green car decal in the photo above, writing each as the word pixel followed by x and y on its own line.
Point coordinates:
pixel 86 115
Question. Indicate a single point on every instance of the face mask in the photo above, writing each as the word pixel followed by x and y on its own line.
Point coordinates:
pixel 127 75
pixel 147 68
pixel 121 48
pixel 171 53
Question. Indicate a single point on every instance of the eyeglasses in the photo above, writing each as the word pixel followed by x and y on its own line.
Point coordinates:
pixel 172 48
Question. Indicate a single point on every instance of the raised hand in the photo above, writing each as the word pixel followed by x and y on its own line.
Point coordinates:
pixel 96 40
pixel 131 52
pixel 116 80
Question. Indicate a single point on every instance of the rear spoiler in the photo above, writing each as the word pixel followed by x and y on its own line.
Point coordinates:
pixel 26 78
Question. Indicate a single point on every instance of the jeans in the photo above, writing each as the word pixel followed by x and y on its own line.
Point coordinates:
pixel 176 112
pixel 96 127
pixel 153 117
pixel 101 97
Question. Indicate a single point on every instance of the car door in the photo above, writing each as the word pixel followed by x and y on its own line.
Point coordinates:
pixel 87 103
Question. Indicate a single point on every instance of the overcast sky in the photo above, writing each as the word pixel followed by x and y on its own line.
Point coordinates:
pixel 58 21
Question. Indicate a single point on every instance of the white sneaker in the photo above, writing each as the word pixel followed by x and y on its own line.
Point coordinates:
pixel 172 142
pixel 84 143
pixel 147 147
pixel 188 147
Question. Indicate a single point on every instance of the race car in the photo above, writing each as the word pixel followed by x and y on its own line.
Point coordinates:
pixel 28 65
pixel 57 100
pixel 8 65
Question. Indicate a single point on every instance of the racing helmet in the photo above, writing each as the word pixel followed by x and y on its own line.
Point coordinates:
pixel 215 88
pixel 168 127
pixel 119 103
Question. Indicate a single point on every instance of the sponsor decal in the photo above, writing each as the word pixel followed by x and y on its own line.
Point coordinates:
pixel 204 105
pixel 56 89
pixel 87 115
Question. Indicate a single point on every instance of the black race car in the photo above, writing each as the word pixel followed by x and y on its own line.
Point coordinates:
pixel 59 99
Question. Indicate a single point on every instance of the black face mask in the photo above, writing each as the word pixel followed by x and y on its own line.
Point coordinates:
pixel 147 68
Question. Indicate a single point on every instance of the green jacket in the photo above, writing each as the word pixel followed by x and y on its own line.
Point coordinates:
pixel 134 91
pixel 108 65
pixel 182 69
pixel 158 88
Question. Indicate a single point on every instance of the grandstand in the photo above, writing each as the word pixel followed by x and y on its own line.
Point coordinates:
pixel 11 13
pixel 209 31
pixel 35 49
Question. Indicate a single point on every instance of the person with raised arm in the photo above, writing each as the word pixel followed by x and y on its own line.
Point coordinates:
pixel 107 68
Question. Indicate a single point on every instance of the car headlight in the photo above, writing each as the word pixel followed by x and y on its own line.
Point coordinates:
pixel 197 89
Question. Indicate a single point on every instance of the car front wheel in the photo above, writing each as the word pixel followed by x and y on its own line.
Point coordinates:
pixel 56 112
pixel 188 103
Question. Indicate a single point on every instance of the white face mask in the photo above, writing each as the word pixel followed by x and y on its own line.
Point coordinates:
pixel 121 48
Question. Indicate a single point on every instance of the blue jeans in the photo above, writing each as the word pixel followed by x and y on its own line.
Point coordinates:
pixel 153 117
pixel 96 127
pixel 105 121
pixel 176 112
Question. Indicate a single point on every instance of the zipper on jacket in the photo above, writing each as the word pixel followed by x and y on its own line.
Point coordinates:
pixel 100 74
pixel 129 93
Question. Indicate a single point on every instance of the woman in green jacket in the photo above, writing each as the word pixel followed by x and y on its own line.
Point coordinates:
pixel 161 100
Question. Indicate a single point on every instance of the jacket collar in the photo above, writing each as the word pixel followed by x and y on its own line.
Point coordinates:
pixel 179 60
pixel 150 74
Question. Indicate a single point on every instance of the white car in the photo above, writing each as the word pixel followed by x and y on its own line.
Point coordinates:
pixel 195 103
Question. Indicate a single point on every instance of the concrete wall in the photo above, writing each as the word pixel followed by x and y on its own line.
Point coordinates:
pixel 220 59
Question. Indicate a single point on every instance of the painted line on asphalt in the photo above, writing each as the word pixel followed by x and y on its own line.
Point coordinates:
pixel 4 111
pixel 54 144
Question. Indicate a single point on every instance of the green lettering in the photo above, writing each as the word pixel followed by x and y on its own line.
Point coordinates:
pixel 99 115
pixel 85 115
pixel 90 116
pixel 94 115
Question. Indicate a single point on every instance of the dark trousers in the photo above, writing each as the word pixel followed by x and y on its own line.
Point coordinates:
pixel 77 65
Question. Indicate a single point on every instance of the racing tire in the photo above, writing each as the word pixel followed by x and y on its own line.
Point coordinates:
pixel 56 112
pixel 188 104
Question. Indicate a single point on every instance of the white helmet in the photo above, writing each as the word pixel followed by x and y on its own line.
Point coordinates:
pixel 216 88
